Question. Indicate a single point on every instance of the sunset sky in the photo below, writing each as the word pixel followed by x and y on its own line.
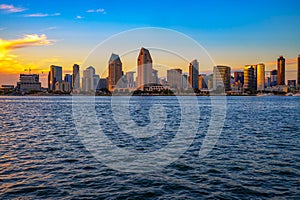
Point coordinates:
pixel 37 34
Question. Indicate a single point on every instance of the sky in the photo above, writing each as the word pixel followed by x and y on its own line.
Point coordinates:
pixel 36 34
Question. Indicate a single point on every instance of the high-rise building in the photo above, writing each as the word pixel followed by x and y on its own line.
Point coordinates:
pixel 281 71
pixel 260 77
pixel 102 84
pixel 68 78
pixel 249 79
pixel 201 81
pixel 185 81
pixel 298 78
pixel 96 79
pixel 76 77
pixel 238 77
pixel 115 72
pixel 88 79
pixel 209 80
pixel 55 75
pixel 62 86
pixel 155 76
pixel 130 79
pixel 145 71
pixel 221 77
pixel 273 78
pixel 29 82
pixel 193 74
pixel 174 78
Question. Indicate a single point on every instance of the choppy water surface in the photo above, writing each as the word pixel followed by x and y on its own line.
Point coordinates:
pixel 257 154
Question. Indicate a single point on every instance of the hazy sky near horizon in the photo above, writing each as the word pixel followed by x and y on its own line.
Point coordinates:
pixel 37 34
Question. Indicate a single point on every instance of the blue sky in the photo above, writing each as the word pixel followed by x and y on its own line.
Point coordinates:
pixel 234 32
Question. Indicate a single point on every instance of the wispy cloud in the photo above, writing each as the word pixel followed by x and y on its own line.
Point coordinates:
pixel 42 15
pixel 27 40
pixel 2 28
pixel 9 62
pixel 79 17
pixel 290 61
pixel 49 28
pixel 11 8
pixel 99 10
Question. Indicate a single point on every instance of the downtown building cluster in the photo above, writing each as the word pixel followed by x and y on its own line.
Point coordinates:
pixel 254 78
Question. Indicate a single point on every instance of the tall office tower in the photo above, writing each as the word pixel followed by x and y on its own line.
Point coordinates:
pixel 96 79
pixel 238 77
pixel 174 78
pixel 273 77
pixel 68 78
pixel 155 76
pixel 260 77
pixel 144 63
pixel 88 79
pixel 185 81
pixel 130 79
pixel 298 78
pixel 54 76
pixel 281 71
pixel 114 71
pixel 193 74
pixel 249 79
pixel 76 77
pixel 201 81
pixel 221 77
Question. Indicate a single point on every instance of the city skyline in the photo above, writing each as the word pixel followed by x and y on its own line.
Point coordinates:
pixel 62 37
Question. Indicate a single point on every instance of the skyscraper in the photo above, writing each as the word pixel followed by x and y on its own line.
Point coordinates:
pixel 201 81
pixel 174 78
pixel 88 79
pixel 222 77
pixel 155 76
pixel 193 74
pixel 68 78
pixel 260 77
pixel 281 71
pixel 55 75
pixel 114 71
pixel 76 77
pixel 298 78
pixel 144 63
pixel 249 80
pixel 239 77
pixel 130 79
pixel 273 78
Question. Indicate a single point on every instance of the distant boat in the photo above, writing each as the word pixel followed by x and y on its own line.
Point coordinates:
pixel 296 95
pixel 289 94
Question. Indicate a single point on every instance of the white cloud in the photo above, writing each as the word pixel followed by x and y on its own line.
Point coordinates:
pixel 99 10
pixel 42 15
pixel 11 8
pixel 79 17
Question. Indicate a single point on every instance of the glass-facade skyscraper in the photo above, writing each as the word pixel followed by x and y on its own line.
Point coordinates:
pixel 193 74
pixel 76 77
pixel 145 71
pixel 249 79
pixel 298 77
pixel 260 77
pixel 115 72
pixel 221 78
pixel 55 75
pixel 281 71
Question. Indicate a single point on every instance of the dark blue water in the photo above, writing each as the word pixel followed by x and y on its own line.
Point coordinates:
pixel 256 156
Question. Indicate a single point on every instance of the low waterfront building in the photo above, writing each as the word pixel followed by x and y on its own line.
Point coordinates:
pixel 29 82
